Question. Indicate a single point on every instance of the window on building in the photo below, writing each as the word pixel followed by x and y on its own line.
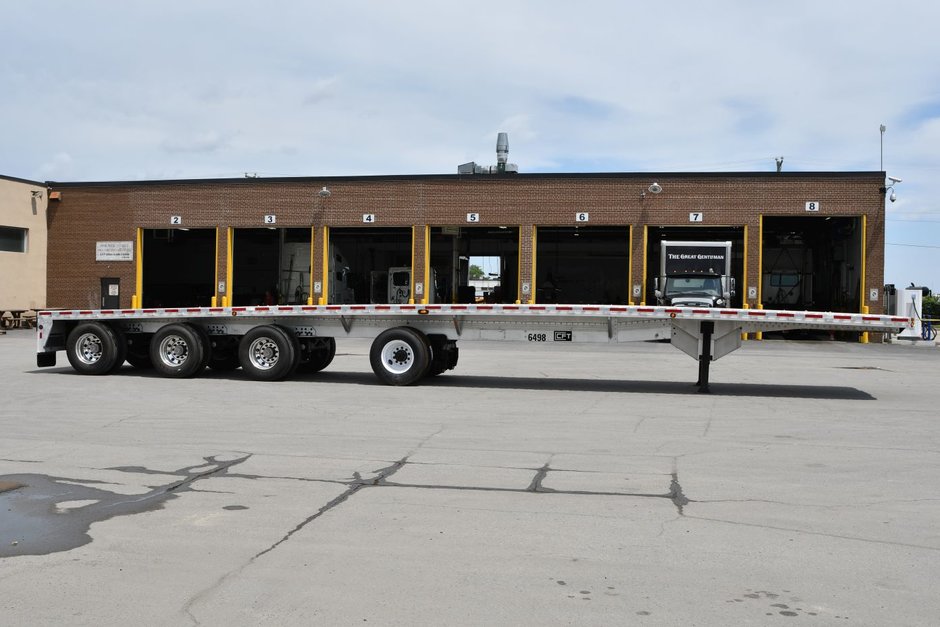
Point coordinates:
pixel 12 239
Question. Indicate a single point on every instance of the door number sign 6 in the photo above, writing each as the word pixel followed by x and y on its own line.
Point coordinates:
pixel 582 216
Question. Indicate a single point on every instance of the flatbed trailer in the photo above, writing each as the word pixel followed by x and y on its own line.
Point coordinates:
pixel 409 342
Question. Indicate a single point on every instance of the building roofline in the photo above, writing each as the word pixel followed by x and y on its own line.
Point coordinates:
pixel 460 177
pixel 15 179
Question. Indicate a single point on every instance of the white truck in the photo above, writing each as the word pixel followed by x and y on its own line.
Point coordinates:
pixel 695 274
pixel 409 342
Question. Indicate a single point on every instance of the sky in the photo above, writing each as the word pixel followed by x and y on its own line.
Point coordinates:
pixel 138 90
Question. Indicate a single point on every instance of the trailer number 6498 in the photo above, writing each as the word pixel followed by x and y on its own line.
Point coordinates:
pixel 537 337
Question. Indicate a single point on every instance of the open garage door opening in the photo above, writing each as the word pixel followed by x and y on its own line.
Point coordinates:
pixel 582 265
pixel 271 266
pixel 475 264
pixel 178 267
pixel 657 234
pixel 811 263
pixel 369 265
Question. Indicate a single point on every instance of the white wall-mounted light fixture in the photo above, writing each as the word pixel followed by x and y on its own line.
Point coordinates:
pixel 324 193
pixel 655 188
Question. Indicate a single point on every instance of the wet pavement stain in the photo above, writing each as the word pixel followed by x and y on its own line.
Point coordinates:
pixel 779 608
pixel 33 520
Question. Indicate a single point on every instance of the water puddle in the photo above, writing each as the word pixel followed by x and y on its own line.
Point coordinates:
pixel 40 514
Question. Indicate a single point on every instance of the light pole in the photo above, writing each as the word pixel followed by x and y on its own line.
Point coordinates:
pixel 882 162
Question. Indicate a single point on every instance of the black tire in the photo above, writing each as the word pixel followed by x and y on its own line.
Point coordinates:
pixel 206 346
pixel 178 351
pixel 400 356
pixel 93 348
pixel 320 357
pixel 121 343
pixel 269 353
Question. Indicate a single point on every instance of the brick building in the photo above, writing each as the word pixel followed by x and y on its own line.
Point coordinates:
pixel 801 240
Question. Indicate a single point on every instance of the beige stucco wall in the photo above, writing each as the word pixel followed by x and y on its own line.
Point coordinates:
pixel 23 275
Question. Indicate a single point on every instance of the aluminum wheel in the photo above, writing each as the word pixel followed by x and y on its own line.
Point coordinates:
pixel 174 351
pixel 264 353
pixel 88 349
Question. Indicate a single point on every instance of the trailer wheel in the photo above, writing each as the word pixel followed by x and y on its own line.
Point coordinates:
pixel 400 356
pixel 177 350
pixel 269 353
pixel 92 348
pixel 320 357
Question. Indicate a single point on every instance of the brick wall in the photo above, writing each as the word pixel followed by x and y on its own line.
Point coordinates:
pixel 92 212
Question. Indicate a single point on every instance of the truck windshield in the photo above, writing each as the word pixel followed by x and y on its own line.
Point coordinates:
pixel 692 286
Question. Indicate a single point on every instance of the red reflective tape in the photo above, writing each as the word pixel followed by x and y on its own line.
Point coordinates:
pixel 673 311
pixel 700 311
pixel 871 318
pixel 358 308
pixel 751 312
pixel 534 308
pixel 262 309
pixel 815 316
pixel 618 309
pixel 148 311
pixel 510 308
pixel 900 319
pixel 216 309
pixel 239 309
pixel 194 310
pixel 107 312
pixel 333 307
pixel 85 313
pixel 645 310
pixel 285 309
pixel 728 312
pixel 563 308
pixel 128 311
pixel 408 307
pixel 309 308
pixel 45 313
pixel 842 317
pixel 484 307
pixel 65 313
pixel 171 311
pixel 590 309
pixel 458 307
pixel 781 314
pixel 382 307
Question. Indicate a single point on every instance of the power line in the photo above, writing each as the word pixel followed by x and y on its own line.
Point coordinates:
pixel 912 245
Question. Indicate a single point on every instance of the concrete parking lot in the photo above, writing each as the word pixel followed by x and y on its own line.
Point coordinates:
pixel 530 486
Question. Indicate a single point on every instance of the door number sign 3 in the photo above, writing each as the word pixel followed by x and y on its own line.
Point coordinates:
pixel 270 219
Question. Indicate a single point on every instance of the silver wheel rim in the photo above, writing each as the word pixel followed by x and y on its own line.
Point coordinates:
pixel 174 351
pixel 264 353
pixel 398 357
pixel 89 349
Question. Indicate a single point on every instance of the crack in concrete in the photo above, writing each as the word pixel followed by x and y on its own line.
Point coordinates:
pixel 354 486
